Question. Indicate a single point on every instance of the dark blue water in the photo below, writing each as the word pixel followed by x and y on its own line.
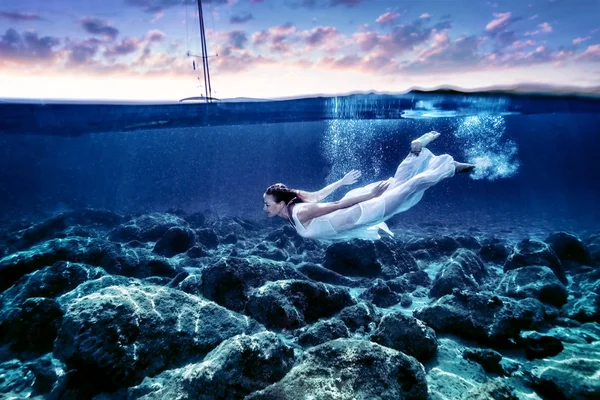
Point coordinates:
pixel 537 157
pixel 136 260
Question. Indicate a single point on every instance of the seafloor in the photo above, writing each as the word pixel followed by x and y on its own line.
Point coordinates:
pixel 199 306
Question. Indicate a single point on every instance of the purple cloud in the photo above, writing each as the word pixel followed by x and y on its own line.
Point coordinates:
pixel 237 39
pixel 27 46
pixel 19 16
pixel 320 34
pixel 154 6
pixel 500 22
pixel 322 3
pixel 96 26
pixel 241 18
pixel 127 46
pixel 82 52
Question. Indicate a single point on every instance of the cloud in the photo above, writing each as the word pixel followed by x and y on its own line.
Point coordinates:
pixel 19 16
pixel 27 47
pixel 425 16
pixel 127 46
pixel 345 62
pixel 82 52
pixel 506 38
pixel 311 4
pixel 154 36
pixel 521 45
pixel 321 35
pixel 581 39
pixel 366 41
pixel 240 18
pixel 157 16
pixel 96 26
pixel 500 22
pixel 544 28
pixel 155 6
pixel 237 39
pixel 387 18
pixel 592 53
pixel 279 39
pixel 444 54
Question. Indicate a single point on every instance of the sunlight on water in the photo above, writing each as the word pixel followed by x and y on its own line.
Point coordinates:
pixel 482 138
pixel 351 144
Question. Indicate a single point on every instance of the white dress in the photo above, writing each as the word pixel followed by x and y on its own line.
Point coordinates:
pixel 364 220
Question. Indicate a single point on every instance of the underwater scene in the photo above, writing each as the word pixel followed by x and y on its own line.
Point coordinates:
pixel 436 246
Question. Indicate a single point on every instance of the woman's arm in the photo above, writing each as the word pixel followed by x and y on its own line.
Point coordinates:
pixel 314 210
pixel 348 179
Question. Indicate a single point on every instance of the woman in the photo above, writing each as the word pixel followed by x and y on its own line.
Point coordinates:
pixel 362 212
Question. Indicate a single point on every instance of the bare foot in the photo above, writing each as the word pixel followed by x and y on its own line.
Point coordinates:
pixel 418 144
pixel 460 168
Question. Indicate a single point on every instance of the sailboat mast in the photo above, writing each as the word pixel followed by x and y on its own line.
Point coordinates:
pixel 207 87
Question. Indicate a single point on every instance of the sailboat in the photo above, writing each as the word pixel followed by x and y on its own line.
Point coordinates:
pixel 204 58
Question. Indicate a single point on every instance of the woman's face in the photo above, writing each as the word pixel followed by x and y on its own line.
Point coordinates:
pixel 272 208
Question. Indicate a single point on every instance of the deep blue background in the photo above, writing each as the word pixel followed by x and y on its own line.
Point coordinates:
pixel 227 168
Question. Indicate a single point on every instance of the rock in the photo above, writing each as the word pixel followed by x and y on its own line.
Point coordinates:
pixel 535 281
pixel 320 274
pixel 118 335
pixel 365 258
pixel 291 304
pixel 407 335
pixel 493 250
pixel 585 304
pixel 592 245
pixel 95 252
pixel 433 247
pixel 322 331
pixel 50 282
pixel 229 281
pixel 146 228
pixel 32 326
pixel 354 369
pixel 533 252
pixel 197 252
pixel 488 359
pixel 175 241
pixel 463 271
pixel 237 367
pixel 360 316
pixel 569 249
pixel 495 389
pixel 405 300
pixel 541 346
pixel 380 294
pixel 482 316
pixel 208 238
pixel 58 225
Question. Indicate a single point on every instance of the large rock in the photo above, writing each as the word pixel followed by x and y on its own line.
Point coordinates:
pixel 31 326
pixel 536 282
pixel 493 250
pixel 569 249
pixel 237 367
pixel 49 282
pixel 406 334
pixel 136 263
pixel 230 281
pixel 584 306
pixel 533 252
pixel 322 331
pixel 380 294
pixel 65 224
pixel 365 258
pixel 118 335
pixel 146 228
pixel 321 274
pixel 360 317
pixel 592 245
pixel 432 247
pixel 291 304
pixel 482 316
pixel 350 369
pixel 464 271
pixel 175 241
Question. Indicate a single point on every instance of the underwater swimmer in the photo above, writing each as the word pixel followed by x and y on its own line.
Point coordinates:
pixel 362 212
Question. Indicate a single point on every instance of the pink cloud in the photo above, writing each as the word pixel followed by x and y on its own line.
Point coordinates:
pixel 501 21
pixel 387 18
pixel 544 28
pixel 521 45
pixel 425 16
pixel 581 39
pixel 592 53
pixel 366 41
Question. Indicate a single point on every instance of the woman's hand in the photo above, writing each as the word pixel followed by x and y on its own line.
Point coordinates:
pixel 379 189
pixel 350 178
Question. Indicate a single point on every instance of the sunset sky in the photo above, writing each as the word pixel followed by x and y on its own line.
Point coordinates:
pixel 136 49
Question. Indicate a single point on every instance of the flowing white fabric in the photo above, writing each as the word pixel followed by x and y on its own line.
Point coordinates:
pixel 364 220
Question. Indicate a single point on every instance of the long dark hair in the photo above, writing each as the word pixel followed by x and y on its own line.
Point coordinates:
pixel 280 192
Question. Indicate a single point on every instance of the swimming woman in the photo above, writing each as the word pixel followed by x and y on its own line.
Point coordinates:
pixel 362 212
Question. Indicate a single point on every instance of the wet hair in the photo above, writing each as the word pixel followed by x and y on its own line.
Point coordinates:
pixel 280 192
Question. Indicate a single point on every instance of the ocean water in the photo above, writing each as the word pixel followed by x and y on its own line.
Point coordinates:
pixel 136 260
